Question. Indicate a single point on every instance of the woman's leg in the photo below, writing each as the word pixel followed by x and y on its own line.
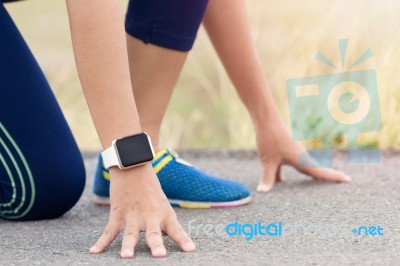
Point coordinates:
pixel 160 33
pixel 42 174
pixel 242 63
pixel 154 72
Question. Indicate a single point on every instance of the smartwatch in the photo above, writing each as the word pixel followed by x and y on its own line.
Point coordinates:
pixel 129 152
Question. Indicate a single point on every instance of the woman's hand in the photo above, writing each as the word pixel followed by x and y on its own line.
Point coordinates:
pixel 276 148
pixel 138 204
pixel 137 200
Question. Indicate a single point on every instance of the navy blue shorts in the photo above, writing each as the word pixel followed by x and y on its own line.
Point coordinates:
pixel 170 24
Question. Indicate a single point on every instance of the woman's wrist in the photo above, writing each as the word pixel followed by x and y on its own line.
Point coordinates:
pixel 115 171
pixel 262 112
pixel 260 104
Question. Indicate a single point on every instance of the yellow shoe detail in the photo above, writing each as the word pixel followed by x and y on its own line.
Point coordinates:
pixel 159 154
pixel 189 206
pixel 106 175
pixel 161 164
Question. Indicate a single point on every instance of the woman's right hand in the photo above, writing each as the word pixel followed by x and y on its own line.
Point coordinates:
pixel 138 204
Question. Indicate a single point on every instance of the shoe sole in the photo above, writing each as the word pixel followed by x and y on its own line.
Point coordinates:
pixel 105 201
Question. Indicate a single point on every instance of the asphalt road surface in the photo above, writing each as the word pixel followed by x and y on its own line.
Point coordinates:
pixel 310 223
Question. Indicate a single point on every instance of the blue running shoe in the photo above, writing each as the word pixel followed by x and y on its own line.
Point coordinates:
pixel 183 184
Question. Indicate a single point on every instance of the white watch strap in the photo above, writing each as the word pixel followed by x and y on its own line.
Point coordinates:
pixel 110 157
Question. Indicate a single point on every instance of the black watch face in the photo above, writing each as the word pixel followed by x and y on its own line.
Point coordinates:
pixel 134 150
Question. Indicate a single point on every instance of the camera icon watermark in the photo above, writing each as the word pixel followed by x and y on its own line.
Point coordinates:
pixel 342 105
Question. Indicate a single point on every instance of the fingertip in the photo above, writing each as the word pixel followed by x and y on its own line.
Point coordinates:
pixel 126 253
pixel 347 179
pixel 94 250
pixel 343 177
pixel 188 246
pixel 264 187
pixel 159 252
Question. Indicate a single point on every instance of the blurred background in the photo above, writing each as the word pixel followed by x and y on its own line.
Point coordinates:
pixel 205 111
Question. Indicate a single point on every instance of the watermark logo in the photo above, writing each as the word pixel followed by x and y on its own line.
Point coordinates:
pixel 368 231
pixel 344 104
pixel 249 231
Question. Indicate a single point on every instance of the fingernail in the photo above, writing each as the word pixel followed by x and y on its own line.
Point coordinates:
pixel 127 253
pixel 189 246
pixel 263 188
pixel 347 178
pixel 159 252
pixel 94 249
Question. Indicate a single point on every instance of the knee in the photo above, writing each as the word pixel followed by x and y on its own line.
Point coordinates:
pixel 46 193
pixel 57 187
pixel 61 194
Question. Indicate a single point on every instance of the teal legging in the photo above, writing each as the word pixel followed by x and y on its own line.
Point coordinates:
pixel 42 174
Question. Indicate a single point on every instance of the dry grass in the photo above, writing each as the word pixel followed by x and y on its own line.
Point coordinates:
pixel 205 111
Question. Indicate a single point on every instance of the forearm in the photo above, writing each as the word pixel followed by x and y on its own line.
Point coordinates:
pixel 231 37
pixel 101 56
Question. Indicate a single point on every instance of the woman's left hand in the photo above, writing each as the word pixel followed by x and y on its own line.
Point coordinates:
pixel 276 148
